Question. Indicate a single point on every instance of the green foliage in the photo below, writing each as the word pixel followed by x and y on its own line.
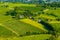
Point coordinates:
pixel 44 17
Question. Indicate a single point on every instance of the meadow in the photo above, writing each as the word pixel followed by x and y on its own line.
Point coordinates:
pixel 26 22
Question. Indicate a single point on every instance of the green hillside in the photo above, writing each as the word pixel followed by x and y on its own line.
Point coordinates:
pixel 29 21
pixel 32 37
pixel 4 32
pixel 16 26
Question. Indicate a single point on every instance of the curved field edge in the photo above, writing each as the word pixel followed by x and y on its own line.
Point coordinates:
pixel 17 27
pixel 32 37
pixel 55 25
pixel 33 23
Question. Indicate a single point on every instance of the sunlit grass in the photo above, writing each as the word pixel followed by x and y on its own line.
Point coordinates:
pixel 33 23
pixel 32 37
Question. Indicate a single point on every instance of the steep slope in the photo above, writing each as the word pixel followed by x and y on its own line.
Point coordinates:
pixel 32 37
pixel 20 28
pixel 16 26
pixel 55 25
pixel 31 22
pixel 6 32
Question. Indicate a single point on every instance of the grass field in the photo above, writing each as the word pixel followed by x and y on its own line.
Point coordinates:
pixel 32 37
pixel 10 24
pixel 31 22
pixel 12 29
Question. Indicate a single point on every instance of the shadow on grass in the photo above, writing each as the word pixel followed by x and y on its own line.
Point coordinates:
pixel 47 26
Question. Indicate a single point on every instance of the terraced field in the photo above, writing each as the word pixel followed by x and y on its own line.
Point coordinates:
pixel 31 22
pixel 32 37
pixel 28 28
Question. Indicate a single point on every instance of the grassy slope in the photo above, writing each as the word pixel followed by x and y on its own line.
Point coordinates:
pixel 55 24
pixel 55 12
pixel 31 22
pixel 18 26
pixel 32 37
pixel 6 20
pixel 5 32
pixel 44 16
pixel 14 25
